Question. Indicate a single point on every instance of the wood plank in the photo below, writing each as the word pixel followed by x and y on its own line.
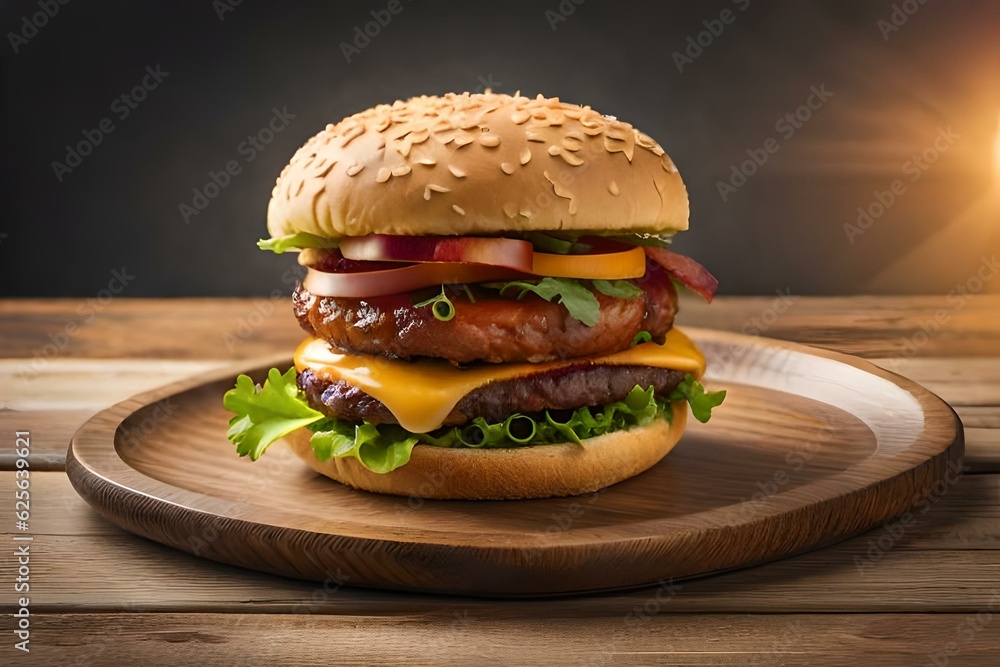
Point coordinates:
pixel 463 636
pixel 50 430
pixel 868 326
pixel 89 384
pixel 246 328
pixel 945 561
pixel 979 416
pixel 982 449
pixel 239 328
pixel 961 381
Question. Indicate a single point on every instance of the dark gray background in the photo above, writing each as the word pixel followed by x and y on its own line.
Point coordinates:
pixel 783 229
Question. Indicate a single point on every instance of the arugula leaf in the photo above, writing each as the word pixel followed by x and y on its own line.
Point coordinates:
pixel 621 289
pixel 701 401
pixel 264 414
pixel 301 240
pixel 578 300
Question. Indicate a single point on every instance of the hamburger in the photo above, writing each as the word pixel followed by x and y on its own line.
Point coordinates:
pixel 489 297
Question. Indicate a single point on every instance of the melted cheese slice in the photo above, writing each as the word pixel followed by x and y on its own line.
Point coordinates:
pixel 421 393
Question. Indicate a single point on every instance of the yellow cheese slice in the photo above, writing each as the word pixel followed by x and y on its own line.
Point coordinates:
pixel 421 393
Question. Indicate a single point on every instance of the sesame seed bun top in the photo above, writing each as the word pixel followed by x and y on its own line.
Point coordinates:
pixel 477 164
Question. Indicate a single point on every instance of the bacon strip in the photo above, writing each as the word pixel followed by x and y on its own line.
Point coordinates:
pixel 688 272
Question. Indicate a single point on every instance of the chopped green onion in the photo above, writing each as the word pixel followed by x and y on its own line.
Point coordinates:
pixel 441 306
pixel 642 337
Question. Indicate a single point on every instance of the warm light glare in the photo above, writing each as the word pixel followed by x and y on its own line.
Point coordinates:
pixel 996 150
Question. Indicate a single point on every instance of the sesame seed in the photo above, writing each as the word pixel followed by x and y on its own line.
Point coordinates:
pixel 613 188
pixel 458 209
pixel 507 168
pixel 455 171
pixel 383 175
pixel 489 140
pixel 525 155
pixel 354 169
pixel 401 170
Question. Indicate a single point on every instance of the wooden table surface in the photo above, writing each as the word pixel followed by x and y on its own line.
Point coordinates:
pixel 918 594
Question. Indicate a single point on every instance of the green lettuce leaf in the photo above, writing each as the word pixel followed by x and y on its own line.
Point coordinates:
pixel 385 447
pixel 294 241
pixel 264 414
pixel 379 448
pixel 578 300
pixel 701 401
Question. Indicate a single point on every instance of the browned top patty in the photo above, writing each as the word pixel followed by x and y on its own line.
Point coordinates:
pixel 494 329
pixel 565 388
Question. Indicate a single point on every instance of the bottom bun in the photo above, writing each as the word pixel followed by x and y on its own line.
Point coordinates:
pixel 540 471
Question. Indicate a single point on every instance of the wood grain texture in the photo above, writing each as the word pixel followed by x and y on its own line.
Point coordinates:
pixel 945 562
pixel 452 638
pixel 954 379
pixel 802 456
pixel 869 326
pixel 944 559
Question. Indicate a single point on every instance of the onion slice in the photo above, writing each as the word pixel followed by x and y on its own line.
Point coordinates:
pixel 688 272
pixel 405 279
pixel 509 253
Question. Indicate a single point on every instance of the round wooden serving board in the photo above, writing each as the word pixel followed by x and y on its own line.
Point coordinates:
pixel 809 448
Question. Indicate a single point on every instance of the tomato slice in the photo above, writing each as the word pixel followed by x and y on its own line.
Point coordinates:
pixel 405 279
pixel 510 253
pixel 615 265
